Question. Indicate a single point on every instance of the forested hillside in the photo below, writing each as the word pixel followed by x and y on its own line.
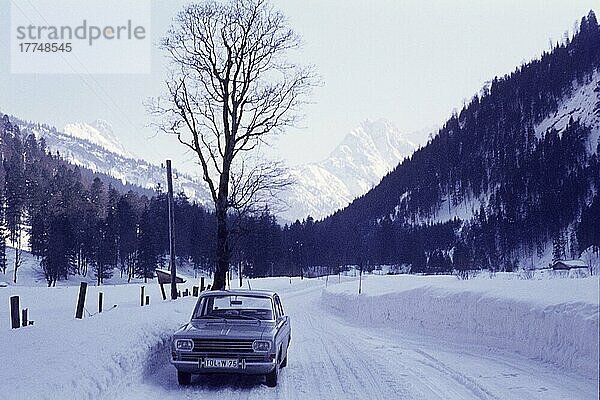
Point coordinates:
pixel 520 162
pixel 81 223
pixel 523 188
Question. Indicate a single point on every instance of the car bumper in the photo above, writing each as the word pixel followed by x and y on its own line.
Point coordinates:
pixel 246 367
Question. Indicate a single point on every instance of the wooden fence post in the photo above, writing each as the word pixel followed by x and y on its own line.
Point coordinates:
pixel 202 284
pixel 147 300
pixel 24 320
pixel 15 318
pixel 195 291
pixel 81 300
pixel 142 295
pixel 360 282
pixel 100 298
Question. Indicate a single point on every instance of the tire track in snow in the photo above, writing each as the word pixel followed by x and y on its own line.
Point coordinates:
pixel 324 363
pixel 330 358
pixel 365 370
pixel 462 379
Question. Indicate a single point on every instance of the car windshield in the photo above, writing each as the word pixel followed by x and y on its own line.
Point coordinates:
pixel 234 307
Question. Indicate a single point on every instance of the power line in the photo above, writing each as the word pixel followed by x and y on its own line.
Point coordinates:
pixel 84 76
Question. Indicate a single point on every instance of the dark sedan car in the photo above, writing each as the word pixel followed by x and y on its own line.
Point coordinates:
pixel 233 331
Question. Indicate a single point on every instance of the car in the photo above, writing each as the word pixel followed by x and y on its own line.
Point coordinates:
pixel 233 332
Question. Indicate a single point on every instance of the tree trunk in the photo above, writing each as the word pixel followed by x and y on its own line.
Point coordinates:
pixel 17 256
pixel 130 268
pixel 221 208
pixel 222 250
pixel 16 265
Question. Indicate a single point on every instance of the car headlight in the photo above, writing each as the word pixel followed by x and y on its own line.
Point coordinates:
pixel 184 344
pixel 261 345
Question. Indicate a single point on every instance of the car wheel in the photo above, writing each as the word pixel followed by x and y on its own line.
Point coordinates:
pixel 284 362
pixel 184 378
pixel 271 377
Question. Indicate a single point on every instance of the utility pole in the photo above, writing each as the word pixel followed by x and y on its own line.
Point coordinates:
pixel 171 232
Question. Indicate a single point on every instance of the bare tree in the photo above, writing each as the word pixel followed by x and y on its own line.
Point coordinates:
pixel 231 85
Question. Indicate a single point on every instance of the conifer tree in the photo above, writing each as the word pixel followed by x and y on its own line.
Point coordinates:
pixel 148 253
pixel 15 198
pixel 3 235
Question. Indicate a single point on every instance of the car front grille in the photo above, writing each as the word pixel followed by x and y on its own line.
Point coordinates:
pixel 248 358
pixel 222 346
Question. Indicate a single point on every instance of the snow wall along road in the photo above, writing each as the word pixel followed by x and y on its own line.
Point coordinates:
pixel 553 320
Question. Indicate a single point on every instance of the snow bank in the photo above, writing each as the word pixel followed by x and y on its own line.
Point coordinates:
pixel 553 320
pixel 61 357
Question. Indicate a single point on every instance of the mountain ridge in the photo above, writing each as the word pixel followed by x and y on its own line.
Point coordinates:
pixel 357 163
pixel 98 132
pixel 83 145
pixel 354 166
pixel 509 181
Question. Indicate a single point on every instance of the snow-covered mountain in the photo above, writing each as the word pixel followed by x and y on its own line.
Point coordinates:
pixel 95 146
pixel 358 163
pixel 582 105
pixel 99 133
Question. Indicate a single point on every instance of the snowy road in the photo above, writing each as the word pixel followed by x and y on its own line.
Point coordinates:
pixel 330 358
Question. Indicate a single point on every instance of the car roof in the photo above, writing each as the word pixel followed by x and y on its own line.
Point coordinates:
pixel 240 292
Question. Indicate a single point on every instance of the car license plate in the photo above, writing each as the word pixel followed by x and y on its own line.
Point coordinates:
pixel 219 363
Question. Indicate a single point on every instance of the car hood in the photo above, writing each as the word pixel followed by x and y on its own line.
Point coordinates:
pixel 230 329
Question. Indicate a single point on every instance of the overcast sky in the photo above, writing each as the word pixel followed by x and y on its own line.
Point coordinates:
pixel 409 61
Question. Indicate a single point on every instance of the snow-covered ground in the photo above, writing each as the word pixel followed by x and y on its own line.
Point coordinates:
pixel 553 320
pixel 61 357
pixel 30 273
pixel 336 352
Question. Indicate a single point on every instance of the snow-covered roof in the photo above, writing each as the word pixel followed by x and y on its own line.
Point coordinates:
pixel 164 276
pixel 569 264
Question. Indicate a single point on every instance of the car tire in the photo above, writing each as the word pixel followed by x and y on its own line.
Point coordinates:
pixel 271 377
pixel 184 378
pixel 284 362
